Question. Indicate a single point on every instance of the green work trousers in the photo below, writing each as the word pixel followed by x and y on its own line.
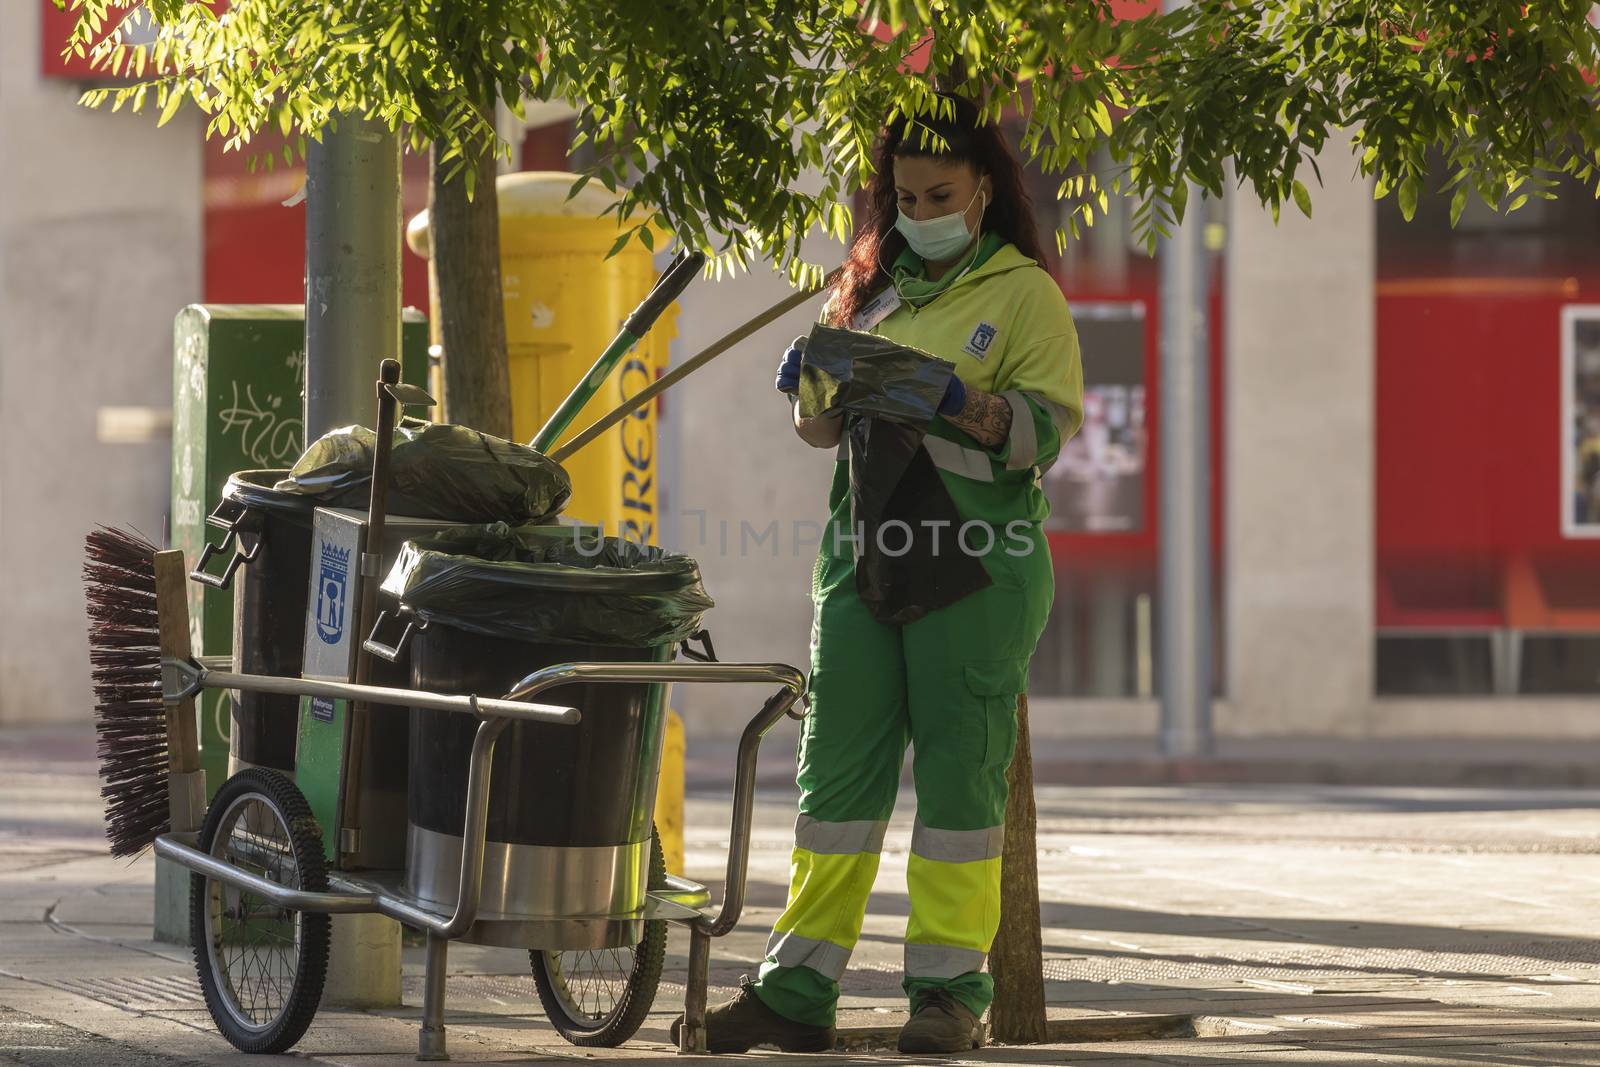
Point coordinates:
pixel 947 684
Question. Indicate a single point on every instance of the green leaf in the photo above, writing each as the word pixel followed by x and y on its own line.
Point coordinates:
pixel 1408 197
pixel 1302 198
pixel 1102 117
pixel 743 112
pixel 1458 203
pixel 174 101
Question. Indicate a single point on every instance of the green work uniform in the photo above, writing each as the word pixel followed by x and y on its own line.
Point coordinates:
pixel 948 682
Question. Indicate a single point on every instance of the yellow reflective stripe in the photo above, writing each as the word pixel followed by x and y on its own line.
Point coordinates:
pixel 957 846
pixel 953 904
pixel 828 895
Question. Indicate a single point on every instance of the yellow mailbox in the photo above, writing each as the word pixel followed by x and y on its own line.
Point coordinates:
pixel 564 302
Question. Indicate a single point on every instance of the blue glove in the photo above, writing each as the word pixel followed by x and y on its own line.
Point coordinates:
pixel 789 370
pixel 955 398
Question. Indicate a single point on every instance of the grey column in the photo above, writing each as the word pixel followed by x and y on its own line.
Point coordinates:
pixel 1301 428
pixel 353 233
pixel 1183 604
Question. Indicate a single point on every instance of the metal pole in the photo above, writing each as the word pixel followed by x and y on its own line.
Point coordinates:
pixel 1184 602
pixel 692 1037
pixel 431 1038
pixel 353 232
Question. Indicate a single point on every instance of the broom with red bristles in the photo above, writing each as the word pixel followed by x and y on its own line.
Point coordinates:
pixel 149 748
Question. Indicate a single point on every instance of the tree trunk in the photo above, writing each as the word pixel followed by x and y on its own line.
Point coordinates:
pixel 465 239
pixel 1017 1016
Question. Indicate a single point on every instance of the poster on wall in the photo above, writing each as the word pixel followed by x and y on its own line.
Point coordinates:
pixel 1098 483
pixel 1580 421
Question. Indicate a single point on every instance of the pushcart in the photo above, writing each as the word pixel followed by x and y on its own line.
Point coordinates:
pixel 265 894
pixel 287 844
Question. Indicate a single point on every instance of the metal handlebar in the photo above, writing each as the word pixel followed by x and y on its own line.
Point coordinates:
pixel 184 678
pixel 744 800
pixel 180 847
pixel 545 677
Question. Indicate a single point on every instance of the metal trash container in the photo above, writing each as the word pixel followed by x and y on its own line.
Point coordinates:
pixel 570 809
pixel 270 532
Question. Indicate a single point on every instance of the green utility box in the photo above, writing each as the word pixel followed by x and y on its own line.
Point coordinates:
pixel 238 382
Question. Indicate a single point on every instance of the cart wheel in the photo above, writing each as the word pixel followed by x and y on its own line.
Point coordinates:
pixel 261 965
pixel 600 997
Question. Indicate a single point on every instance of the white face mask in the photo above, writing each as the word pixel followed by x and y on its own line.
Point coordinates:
pixel 945 237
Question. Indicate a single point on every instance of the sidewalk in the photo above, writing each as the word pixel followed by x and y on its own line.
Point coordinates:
pixel 1257 925
pixel 1122 761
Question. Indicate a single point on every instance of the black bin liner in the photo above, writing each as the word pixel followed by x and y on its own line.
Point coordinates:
pixel 436 471
pixel 501 602
pixel 550 584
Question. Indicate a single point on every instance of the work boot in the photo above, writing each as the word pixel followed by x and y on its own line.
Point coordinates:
pixel 941 1023
pixel 745 1022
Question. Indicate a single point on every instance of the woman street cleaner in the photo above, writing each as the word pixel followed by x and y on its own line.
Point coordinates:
pixel 929 647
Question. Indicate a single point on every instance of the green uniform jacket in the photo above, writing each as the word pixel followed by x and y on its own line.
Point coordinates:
pixel 1006 327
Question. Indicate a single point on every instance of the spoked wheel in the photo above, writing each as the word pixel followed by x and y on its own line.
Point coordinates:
pixel 600 997
pixel 261 965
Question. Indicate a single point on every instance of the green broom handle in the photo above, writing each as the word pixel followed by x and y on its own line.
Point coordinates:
pixel 689 366
pixel 668 288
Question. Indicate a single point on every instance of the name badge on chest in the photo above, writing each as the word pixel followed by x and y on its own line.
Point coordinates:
pixel 879 308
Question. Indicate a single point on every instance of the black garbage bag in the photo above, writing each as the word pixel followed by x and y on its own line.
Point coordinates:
pixel 909 560
pixel 849 370
pixel 257 489
pixel 551 583
pixel 436 471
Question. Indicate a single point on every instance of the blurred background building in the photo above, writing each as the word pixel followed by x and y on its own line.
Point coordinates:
pixel 1406 432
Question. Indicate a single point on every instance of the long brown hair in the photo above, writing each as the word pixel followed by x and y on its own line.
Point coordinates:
pixel 966 139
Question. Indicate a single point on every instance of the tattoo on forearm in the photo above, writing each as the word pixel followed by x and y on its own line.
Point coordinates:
pixel 985 416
